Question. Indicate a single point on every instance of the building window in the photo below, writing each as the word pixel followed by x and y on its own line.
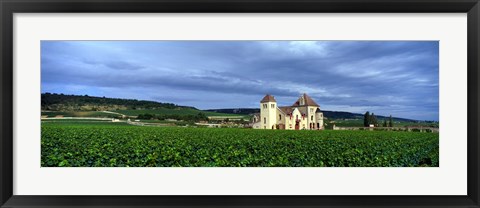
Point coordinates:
pixel 264 120
pixel 311 110
pixel 311 118
pixel 273 105
pixel 297 117
pixel 279 117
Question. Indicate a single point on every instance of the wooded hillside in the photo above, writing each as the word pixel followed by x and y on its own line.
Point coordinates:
pixel 62 102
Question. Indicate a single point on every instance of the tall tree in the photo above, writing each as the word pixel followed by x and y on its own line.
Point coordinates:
pixel 384 123
pixel 373 120
pixel 366 119
pixel 390 121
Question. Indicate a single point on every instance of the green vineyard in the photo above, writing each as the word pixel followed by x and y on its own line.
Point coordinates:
pixel 97 144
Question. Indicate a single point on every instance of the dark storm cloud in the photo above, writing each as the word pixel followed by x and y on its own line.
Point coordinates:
pixel 386 77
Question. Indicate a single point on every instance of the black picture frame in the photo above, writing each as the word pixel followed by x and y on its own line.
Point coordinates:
pixel 9 7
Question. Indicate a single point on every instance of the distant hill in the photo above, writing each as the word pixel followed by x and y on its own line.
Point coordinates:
pixel 328 114
pixel 241 111
pixel 53 104
pixel 62 102
pixel 71 103
pixel 348 115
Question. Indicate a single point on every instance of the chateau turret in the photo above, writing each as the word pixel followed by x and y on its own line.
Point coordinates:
pixel 319 116
pixel 268 109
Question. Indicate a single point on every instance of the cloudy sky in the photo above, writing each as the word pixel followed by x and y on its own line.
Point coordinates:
pixel 385 77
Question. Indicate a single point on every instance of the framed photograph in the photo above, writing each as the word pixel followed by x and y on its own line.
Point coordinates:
pixel 239 103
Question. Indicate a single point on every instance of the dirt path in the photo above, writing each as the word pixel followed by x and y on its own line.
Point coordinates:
pixel 77 118
pixel 123 115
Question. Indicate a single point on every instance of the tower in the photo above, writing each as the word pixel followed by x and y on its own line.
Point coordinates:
pixel 319 116
pixel 268 112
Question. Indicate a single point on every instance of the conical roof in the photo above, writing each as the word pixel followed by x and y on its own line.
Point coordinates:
pixel 307 101
pixel 268 98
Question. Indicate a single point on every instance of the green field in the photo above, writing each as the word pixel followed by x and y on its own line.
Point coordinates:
pixel 86 144
pixel 168 111
pixel 359 123
pixel 159 111
pixel 79 114
pixel 79 121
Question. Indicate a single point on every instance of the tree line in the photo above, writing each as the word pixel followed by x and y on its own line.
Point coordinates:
pixel 63 102
pixel 198 117
pixel 371 119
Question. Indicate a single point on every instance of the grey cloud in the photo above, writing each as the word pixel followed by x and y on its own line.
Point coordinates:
pixel 360 74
